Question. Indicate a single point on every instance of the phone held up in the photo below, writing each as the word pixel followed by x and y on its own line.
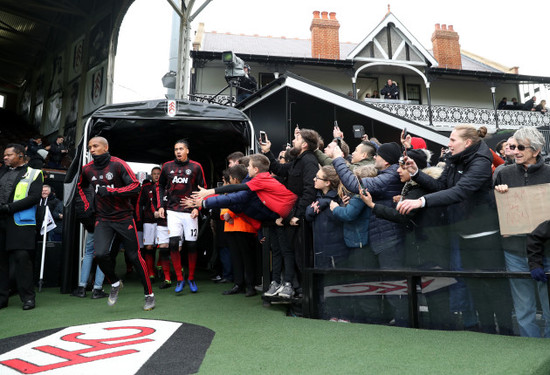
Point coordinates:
pixel 362 188
pixel 358 131
pixel 263 137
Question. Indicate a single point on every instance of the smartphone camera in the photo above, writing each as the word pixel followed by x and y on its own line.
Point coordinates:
pixel 263 137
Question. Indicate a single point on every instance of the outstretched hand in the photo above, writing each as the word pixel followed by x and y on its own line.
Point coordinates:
pixel 202 193
pixel 191 202
pixel 410 165
pixel 406 206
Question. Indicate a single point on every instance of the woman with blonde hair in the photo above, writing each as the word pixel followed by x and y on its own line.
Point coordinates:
pixel 465 188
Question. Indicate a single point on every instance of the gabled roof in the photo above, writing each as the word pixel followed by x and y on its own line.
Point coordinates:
pixel 289 80
pixel 263 45
pixel 401 30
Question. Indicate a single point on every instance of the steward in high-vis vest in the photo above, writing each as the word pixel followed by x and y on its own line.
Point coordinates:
pixel 20 190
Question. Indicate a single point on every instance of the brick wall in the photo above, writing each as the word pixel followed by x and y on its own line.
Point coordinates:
pixel 446 48
pixel 325 41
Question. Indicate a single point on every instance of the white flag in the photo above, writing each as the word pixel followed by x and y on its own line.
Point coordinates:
pixel 48 222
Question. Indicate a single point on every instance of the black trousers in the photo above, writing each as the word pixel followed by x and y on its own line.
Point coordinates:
pixel 21 261
pixel 104 234
pixel 241 245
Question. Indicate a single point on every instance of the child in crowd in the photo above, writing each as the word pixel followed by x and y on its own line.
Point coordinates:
pixel 328 235
pixel 241 232
pixel 262 197
pixel 329 247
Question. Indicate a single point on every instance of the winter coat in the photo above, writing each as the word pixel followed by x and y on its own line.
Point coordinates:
pixel 390 92
pixel 515 175
pixel 465 188
pixel 20 237
pixel 426 240
pixel 356 217
pixel 299 175
pixel 328 232
pixel 382 188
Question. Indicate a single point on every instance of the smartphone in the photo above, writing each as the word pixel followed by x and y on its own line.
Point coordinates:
pixel 405 133
pixel 263 137
pixel 358 131
pixel 362 187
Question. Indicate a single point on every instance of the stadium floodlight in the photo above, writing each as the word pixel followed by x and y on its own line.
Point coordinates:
pixel 234 66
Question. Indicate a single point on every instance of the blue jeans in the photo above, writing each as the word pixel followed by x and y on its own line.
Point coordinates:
pixel 524 295
pixel 87 265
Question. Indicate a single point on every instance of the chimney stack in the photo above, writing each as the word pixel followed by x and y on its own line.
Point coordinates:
pixel 325 42
pixel 446 48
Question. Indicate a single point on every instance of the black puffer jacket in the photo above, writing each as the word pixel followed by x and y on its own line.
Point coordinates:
pixel 465 187
pixel 426 231
pixel 299 175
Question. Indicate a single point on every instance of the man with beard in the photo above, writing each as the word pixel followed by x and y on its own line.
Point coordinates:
pixel 178 179
pixel 299 175
pixel 114 184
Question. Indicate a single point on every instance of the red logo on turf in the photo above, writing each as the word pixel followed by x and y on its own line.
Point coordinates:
pixel 75 357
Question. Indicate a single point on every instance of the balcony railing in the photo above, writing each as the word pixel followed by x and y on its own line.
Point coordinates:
pixel 443 117
pixel 449 116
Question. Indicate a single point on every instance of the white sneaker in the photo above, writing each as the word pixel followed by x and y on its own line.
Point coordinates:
pixel 286 291
pixel 113 295
pixel 273 289
pixel 149 303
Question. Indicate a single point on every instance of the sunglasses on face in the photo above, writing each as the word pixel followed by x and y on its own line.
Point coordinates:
pixel 319 178
pixel 519 147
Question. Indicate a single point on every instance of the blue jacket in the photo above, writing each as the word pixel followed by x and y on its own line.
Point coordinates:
pixel 328 232
pixel 355 216
pixel 245 201
pixel 382 188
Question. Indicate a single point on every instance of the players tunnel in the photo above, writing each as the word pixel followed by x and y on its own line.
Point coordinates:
pixel 145 132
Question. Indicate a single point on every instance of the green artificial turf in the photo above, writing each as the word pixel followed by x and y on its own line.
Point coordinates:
pixel 252 339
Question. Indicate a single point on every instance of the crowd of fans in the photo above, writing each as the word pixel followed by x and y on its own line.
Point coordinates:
pixel 386 206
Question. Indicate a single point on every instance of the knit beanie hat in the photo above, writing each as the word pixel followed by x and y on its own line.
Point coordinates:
pixel 420 158
pixel 417 143
pixel 390 152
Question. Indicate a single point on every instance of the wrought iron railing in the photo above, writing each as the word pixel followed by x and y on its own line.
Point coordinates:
pixel 449 116
pixel 444 117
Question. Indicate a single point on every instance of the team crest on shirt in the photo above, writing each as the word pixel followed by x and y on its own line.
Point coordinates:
pixel 188 172
pixel 109 176
pixel 101 177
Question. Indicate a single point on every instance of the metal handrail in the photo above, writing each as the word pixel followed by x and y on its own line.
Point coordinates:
pixel 413 278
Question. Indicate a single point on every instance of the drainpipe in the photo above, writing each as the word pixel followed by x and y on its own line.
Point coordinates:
pixel 494 105
pixel 354 87
pixel 430 116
